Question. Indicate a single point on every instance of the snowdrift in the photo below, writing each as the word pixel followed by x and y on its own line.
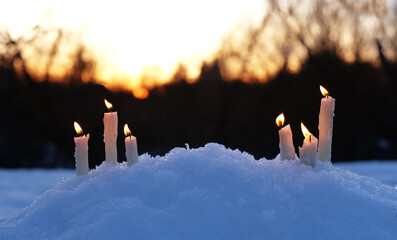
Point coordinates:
pixel 210 193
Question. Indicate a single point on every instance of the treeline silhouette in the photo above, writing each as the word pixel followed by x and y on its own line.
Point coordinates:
pixel 36 124
pixel 297 45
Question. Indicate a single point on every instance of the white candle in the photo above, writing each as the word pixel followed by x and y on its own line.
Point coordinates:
pixel 325 126
pixel 110 134
pixel 131 149
pixel 81 151
pixel 287 150
pixel 308 152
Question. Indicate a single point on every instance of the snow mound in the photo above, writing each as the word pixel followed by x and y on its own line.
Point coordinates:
pixel 210 193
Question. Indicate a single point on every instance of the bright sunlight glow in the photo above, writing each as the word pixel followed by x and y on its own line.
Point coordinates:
pixel 143 39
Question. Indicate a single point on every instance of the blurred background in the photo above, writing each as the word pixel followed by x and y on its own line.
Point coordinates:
pixel 195 72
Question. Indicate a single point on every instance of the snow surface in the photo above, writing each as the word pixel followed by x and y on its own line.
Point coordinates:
pixel 210 193
pixel 19 188
pixel 384 171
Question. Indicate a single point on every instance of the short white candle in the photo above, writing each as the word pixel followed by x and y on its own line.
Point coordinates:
pixel 81 151
pixel 131 149
pixel 308 152
pixel 287 150
pixel 325 126
pixel 110 134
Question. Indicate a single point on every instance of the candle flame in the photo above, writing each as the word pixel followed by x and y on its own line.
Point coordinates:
pixel 78 129
pixel 323 91
pixel 280 120
pixel 305 132
pixel 108 105
pixel 127 131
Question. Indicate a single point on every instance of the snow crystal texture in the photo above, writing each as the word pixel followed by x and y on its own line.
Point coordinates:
pixel 210 193
pixel 20 187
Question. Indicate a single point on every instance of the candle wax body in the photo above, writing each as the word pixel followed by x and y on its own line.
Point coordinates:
pixel 110 136
pixel 308 152
pixel 287 150
pixel 81 154
pixel 131 150
pixel 325 126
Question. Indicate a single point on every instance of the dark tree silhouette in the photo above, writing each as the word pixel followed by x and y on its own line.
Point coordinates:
pixel 292 50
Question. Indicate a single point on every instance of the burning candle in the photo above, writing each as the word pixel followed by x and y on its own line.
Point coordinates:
pixel 308 152
pixel 110 134
pixel 81 151
pixel 325 126
pixel 131 149
pixel 287 150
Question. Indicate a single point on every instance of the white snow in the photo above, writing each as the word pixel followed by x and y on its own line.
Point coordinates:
pixel 384 171
pixel 19 188
pixel 210 193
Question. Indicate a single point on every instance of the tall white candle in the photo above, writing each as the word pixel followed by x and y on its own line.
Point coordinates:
pixel 81 151
pixel 325 126
pixel 110 134
pixel 308 152
pixel 287 150
pixel 131 149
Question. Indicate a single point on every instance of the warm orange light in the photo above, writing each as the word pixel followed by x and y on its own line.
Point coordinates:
pixel 140 93
pixel 323 91
pixel 280 120
pixel 127 131
pixel 305 132
pixel 78 129
pixel 108 105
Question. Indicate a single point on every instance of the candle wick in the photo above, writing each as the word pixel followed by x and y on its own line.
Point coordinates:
pixel 310 138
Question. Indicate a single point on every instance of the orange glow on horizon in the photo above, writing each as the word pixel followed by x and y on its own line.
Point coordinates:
pixel 139 37
pixel 143 45
pixel 140 93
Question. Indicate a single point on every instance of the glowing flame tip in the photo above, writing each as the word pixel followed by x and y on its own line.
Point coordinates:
pixel 108 105
pixel 78 129
pixel 280 120
pixel 305 131
pixel 323 91
pixel 127 131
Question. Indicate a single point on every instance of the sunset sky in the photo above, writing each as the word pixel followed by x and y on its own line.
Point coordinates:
pixel 142 43
pixel 132 39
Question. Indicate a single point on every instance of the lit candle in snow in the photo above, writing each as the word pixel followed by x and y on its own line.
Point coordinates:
pixel 81 151
pixel 110 134
pixel 287 150
pixel 325 125
pixel 131 149
pixel 308 152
